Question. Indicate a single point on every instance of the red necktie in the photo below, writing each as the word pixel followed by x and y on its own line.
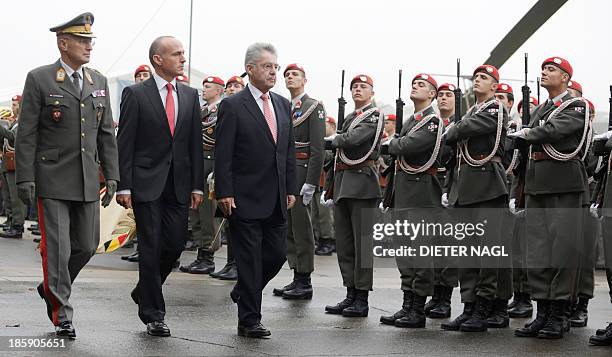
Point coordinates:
pixel 170 108
pixel 269 115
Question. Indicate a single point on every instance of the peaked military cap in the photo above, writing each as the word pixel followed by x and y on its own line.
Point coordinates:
pixel 79 26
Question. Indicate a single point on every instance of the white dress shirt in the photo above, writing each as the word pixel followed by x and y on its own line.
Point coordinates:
pixel 257 95
pixel 163 93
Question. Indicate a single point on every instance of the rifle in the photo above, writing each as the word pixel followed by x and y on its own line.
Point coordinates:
pixel 457 93
pixel 525 117
pixel 329 193
pixel 538 89
pixel 390 171
pixel 610 112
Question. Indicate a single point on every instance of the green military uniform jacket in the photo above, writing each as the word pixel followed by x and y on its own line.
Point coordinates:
pixel 470 184
pixel 308 133
pixel 359 183
pixel 209 125
pixel 420 189
pixel 9 134
pixel 64 137
pixel 564 132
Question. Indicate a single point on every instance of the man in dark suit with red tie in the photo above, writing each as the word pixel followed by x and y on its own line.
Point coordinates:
pixel 255 181
pixel 160 163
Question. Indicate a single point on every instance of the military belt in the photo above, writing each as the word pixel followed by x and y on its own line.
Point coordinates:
pixel 208 147
pixel 493 159
pixel 340 166
pixel 302 155
pixel 541 155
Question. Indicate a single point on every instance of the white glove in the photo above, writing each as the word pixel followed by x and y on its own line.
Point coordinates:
pixel 593 209
pixel 512 205
pixel 209 179
pixel 519 133
pixel 307 192
pixel 382 208
pixel 603 136
pixel 331 137
pixel 448 128
pixel 444 199
pixel 326 203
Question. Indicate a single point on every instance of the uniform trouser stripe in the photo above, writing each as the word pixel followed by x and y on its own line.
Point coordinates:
pixel 43 253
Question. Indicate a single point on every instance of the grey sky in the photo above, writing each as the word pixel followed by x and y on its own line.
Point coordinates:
pixel 325 36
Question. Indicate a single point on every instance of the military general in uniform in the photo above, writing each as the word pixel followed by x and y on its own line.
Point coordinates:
pixel 65 134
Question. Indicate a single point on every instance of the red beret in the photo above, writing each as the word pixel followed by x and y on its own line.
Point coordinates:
pixel 504 88
pixel 294 66
pixel 427 78
pixel 16 98
pixel 390 117
pixel 235 79
pixel 532 100
pixel 330 120
pixel 561 63
pixel 575 86
pixel 215 80
pixel 488 69
pixel 362 78
pixel 447 87
pixel 182 78
pixel 142 68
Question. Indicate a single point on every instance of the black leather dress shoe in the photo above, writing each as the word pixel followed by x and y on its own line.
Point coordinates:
pixel 234 295
pixel 33 227
pixel 158 328
pixel 65 329
pixel 36 232
pixel 131 258
pixel 230 274
pixel 256 331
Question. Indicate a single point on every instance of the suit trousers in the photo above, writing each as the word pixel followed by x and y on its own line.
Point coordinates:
pixel 70 234
pixel 300 238
pixel 260 251
pixel 162 232
pixel 355 256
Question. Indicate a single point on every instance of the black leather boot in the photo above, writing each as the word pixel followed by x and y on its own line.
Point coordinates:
pixel 204 263
pixel 337 309
pixel 291 285
pixel 532 328
pixel 499 315
pixel 555 325
pixel 580 313
pixel 603 337
pixel 523 307
pixel 435 299
pixel 516 297
pixel 443 309
pixel 479 320
pixel 14 232
pixel 468 310
pixel 326 247
pixel 416 315
pixel 230 274
pixel 390 319
pixel 359 307
pixel 302 289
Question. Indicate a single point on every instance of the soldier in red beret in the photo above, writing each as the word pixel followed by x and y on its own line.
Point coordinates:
pixel 142 73
pixel 505 95
pixel 479 138
pixel 355 187
pixel 183 79
pixel 203 219
pixel 555 191
pixel 308 118
pixel 574 88
pixel 234 85
pixel 533 102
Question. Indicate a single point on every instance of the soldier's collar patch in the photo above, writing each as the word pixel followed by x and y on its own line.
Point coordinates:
pixel 60 75
pixel 88 76
pixel 298 104
pixel 418 117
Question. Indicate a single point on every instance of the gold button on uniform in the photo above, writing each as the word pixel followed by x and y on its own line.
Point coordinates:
pixel 83 120
pixel 82 105
pixel 83 149
pixel 83 134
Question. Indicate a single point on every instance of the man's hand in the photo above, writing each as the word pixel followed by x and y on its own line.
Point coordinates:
pixel 444 199
pixel 196 200
pixel 25 192
pixel 226 204
pixel 519 133
pixel 331 137
pixel 291 201
pixel 307 192
pixel 111 189
pixel 603 136
pixel 326 203
pixel 124 201
pixel 210 178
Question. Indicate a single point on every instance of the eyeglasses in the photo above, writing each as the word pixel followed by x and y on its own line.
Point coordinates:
pixel 85 41
pixel 268 66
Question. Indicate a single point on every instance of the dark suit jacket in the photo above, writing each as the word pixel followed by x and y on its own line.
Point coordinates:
pixel 147 150
pixel 249 166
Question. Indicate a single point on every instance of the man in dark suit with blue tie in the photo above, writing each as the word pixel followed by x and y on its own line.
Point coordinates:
pixel 255 181
pixel 160 164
